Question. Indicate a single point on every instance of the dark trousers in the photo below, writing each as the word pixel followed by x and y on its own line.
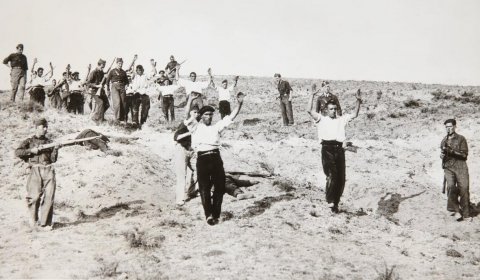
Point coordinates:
pixel 18 79
pixel 56 100
pixel 76 102
pixel 333 161
pixel 458 186
pixel 168 108
pixel 210 173
pixel 119 101
pixel 145 107
pixel 37 95
pixel 287 111
pixel 224 108
pixel 132 107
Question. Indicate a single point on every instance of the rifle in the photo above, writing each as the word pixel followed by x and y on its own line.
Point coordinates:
pixel 66 142
pixel 99 91
pixel 444 160
pixel 171 70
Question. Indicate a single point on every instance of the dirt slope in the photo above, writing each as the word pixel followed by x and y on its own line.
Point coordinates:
pixel 115 216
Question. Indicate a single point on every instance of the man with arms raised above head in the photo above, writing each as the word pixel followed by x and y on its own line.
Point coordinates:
pixel 206 143
pixel 331 133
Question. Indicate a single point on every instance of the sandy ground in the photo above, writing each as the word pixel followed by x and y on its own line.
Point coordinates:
pixel 115 214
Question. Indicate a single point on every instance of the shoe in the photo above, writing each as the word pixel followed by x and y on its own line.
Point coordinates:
pixel 335 209
pixel 458 216
pixel 180 203
pixel 215 221
pixel 45 228
pixel 331 205
pixel 210 220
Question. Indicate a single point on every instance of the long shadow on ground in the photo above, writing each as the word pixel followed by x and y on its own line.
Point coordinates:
pixel 104 213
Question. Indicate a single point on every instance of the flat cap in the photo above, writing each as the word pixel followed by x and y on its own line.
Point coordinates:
pixel 20 46
pixel 101 62
pixel 205 109
pixel 119 59
pixel 40 121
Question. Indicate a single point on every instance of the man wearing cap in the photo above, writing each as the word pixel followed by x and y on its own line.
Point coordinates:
pixel 18 74
pixel 117 80
pixel 54 95
pixel 284 89
pixel 206 143
pixel 324 98
pixel 163 80
pixel 224 93
pixel 331 133
pixel 100 100
pixel 454 153
pixel 38 82
pixel 41 181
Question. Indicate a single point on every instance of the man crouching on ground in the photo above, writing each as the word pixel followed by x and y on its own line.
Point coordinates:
pixel 41 181
pixel 206 143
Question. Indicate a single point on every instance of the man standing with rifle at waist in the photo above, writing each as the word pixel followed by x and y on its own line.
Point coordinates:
pixel 95 83
pixel 41 153
pixel 454 163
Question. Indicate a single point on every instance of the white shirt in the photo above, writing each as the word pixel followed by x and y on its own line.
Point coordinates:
pixel 139 84
pixel 40 81
pixel 207 138
pixel 225 93
pixel 75 85
pixel 333 129
pixel 168 90
pixel 193 86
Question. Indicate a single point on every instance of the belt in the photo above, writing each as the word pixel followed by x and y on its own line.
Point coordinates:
pixel 17 67
pixel 119 83
pixel 77 91
pixel 168 95
pixel 216 151
pixel 331 143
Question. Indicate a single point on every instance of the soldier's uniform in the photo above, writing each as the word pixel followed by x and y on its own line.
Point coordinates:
pixel 41 181
pixel 456 174
pixel 118 78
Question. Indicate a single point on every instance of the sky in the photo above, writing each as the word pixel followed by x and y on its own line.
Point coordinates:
pixel 428 41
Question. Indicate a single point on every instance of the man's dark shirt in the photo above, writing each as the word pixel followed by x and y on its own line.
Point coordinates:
pixel 47 156
pixel 323 100
pixel 284 88
pixel 171 65
pixel 458 144
pixel 95 77
pixel 117 76
pixel 17 60
pixel 186 142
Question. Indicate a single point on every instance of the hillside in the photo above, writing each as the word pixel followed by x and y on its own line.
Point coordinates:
pixel 116 218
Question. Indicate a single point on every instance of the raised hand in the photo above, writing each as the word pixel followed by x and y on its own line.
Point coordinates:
pixel 209 71
pixel 35 60
pixel 89 67
pixel 240 97
pixel 135 57
pixel 358 94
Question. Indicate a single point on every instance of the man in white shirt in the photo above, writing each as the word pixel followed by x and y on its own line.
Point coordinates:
pixel 193 85
pixel 140 101
pixel 38 82
pixel 331 133
pixel 76 98
pixel 206 143
pixel 224 93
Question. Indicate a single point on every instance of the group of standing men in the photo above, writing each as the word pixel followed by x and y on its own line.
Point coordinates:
pixel 197 137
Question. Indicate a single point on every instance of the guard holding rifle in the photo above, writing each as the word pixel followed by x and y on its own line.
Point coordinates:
pixel 41 153
pixel 454 163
